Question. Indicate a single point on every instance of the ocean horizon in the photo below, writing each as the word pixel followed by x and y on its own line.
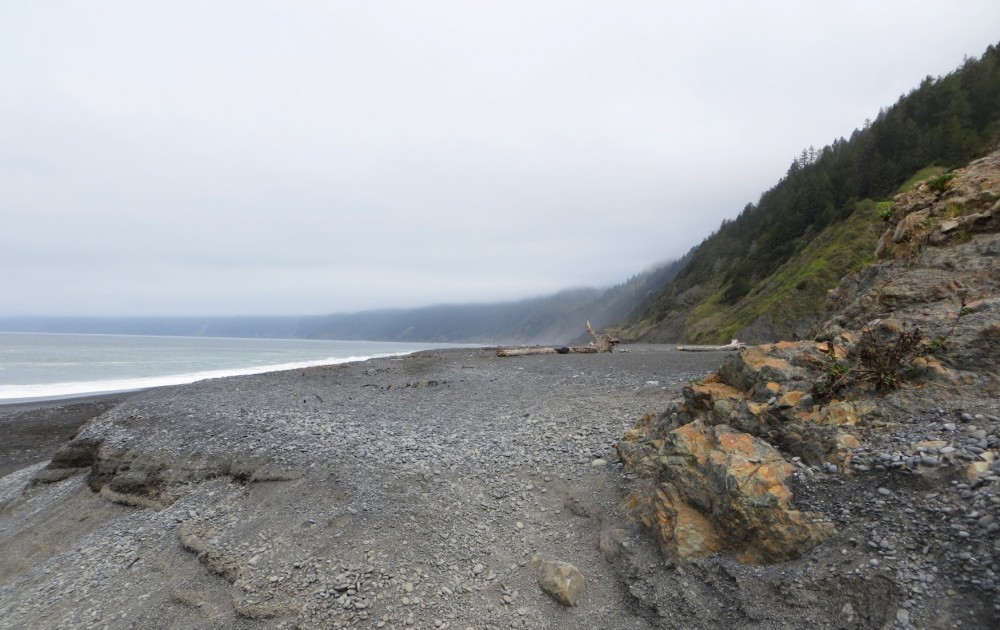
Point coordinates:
pixel 51 366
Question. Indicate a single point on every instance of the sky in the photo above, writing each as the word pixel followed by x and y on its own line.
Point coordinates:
pixel 306 157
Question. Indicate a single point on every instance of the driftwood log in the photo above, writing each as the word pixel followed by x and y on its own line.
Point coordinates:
pixel 601 343
pixel 522 352
pixel 735 344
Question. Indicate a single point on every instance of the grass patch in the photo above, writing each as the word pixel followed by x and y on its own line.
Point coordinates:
pixel 921 175
pixel 941 182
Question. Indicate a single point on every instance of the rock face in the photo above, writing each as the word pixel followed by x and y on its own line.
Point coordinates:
pixel 561 580
pixel 920 326
pixel 718 489
pixel 719 481
pixel 942 271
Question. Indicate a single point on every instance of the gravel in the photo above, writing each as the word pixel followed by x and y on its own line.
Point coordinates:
pixel 403 492
pixel 413 492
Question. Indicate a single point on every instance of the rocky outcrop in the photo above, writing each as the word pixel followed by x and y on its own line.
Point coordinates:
pixel 76 456
pixel 920 325
pixel 718 489
pixel 938 269
pixel 719 481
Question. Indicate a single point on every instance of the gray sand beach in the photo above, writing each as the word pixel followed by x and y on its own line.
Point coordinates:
pixel 426 482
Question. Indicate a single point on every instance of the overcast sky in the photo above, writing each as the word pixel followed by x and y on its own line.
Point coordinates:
pixel 300 157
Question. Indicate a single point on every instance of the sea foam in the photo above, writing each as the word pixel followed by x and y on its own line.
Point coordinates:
pixel 73 389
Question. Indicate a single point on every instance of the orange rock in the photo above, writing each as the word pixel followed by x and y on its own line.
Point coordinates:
pixel 695 534
pixel 847 441
pixel 695 442
pixel 720 489
pixel 837 413
pixel 757 357
pixel 791 399
pixel 756 409
pixel 705 394
pixel 732 443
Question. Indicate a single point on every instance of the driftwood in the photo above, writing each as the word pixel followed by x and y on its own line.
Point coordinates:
pixel 523 352
pixel 601 343
pixel 735 344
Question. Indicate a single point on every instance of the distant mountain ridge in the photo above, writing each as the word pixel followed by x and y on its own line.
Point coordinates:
pixel 553 319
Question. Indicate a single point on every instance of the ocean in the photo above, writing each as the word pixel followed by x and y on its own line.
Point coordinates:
pixel 40 366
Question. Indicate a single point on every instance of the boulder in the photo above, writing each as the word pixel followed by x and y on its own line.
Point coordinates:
pixel 719 489
pixel 561 580
pixel 908 225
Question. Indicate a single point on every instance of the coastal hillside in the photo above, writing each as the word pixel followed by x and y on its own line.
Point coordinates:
pixel 764 275
pixel 873 450
pixel 556 318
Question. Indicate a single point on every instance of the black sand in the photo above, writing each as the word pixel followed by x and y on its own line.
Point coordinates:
pixel 33 431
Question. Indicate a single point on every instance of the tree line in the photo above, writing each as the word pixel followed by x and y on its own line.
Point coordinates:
pixel 945 121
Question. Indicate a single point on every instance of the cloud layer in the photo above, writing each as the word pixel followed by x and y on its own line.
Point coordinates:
pixel 309 157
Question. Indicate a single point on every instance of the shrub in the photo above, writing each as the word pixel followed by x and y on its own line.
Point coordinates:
pixel 940 183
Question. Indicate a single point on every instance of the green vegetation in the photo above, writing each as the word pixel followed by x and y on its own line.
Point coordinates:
pixel 883 210
pixel 790 299
pixel 922 175
pixel 771 265
pixel 940 182
pixel 955 210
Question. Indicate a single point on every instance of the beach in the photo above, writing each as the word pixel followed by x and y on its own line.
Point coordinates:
pixel 425 491
pixel 432 479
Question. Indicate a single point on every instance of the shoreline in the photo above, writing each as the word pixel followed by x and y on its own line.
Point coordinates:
pixel 172 369
pixel 27 403
pixel 34 429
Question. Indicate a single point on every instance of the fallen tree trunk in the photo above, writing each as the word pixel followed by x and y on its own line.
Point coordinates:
pixel 601 343
pixel 735 344
pixel 523 352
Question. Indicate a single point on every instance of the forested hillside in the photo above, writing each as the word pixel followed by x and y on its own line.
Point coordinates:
pixel 764 274
pixel 557 318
